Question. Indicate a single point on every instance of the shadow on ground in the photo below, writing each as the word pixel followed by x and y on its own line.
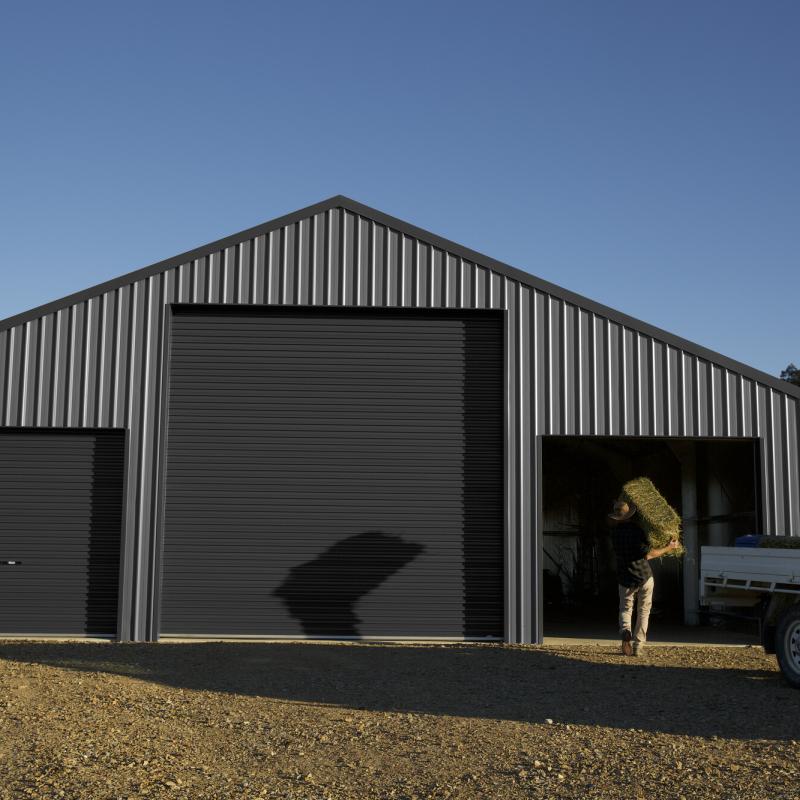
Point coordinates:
pixel 481 681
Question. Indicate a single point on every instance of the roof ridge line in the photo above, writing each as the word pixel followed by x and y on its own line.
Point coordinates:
pixel 172 262
pixel 447 245
pixel 569 296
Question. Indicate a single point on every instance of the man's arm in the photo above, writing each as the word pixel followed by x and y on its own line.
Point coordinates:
pixel 659 551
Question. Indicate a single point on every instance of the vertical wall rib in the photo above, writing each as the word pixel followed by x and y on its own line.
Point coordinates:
pixel 512 456
pixel 99 363
pixel 523 522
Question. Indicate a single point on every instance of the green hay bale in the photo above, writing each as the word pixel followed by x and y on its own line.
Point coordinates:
pixel 791 542
pixel 657 518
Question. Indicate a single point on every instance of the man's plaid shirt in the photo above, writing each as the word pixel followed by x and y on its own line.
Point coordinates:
pixel 631 546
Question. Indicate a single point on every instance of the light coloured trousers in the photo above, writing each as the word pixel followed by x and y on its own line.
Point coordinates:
pixel 644 602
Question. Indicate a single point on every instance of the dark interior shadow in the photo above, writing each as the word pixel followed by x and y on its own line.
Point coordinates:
pixel 465 680
pixel 321 594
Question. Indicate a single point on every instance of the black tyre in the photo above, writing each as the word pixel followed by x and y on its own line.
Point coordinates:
pixel 787 644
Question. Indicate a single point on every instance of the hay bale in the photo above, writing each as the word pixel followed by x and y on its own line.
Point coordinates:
pixel 791 542
pixel 657 518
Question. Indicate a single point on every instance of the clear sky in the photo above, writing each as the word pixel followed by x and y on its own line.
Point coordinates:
pixel 646 155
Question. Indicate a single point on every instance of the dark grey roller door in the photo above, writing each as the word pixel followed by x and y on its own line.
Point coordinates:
pixel 334 472
pixel 60 530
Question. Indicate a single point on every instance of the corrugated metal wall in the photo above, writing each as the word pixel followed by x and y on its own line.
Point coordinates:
pixel 99 363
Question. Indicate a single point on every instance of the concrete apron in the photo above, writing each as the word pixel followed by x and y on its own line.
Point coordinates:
pixel 560 641
pixel 658 636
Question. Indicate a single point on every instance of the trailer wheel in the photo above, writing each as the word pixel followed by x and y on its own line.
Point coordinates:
pixel 787 644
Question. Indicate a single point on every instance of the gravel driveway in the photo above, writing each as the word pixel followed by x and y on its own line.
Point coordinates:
pixel 322 720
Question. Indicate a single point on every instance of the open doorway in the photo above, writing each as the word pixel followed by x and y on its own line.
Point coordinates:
pixel 711 483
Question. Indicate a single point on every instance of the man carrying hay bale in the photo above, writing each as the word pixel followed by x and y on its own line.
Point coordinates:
pixel 635 543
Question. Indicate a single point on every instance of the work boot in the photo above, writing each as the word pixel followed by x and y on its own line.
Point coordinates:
pixel 627 647
pixel 638 649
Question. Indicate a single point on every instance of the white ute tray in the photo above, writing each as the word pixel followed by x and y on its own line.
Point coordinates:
pixel 768 569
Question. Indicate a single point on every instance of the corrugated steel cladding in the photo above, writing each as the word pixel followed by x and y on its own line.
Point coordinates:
pixel 99 363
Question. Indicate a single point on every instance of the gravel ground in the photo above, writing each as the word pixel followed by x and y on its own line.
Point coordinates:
pixel 321 720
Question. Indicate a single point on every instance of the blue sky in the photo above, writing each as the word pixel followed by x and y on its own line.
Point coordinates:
pixel 646 155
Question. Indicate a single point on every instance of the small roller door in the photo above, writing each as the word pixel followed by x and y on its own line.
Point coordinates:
pixel 60 530
pixel 334 473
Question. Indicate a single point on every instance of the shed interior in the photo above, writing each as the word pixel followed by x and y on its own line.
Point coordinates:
pixel 712 484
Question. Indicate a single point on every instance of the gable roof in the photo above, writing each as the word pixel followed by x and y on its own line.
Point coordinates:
pixel 340 201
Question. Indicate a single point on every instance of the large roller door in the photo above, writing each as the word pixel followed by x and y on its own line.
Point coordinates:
pixel 60 531
pixel 334 472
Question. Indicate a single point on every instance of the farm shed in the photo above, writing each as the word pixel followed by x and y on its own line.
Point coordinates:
pixel 336 424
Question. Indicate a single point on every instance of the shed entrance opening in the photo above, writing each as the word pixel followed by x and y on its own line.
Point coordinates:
pixel 711 483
